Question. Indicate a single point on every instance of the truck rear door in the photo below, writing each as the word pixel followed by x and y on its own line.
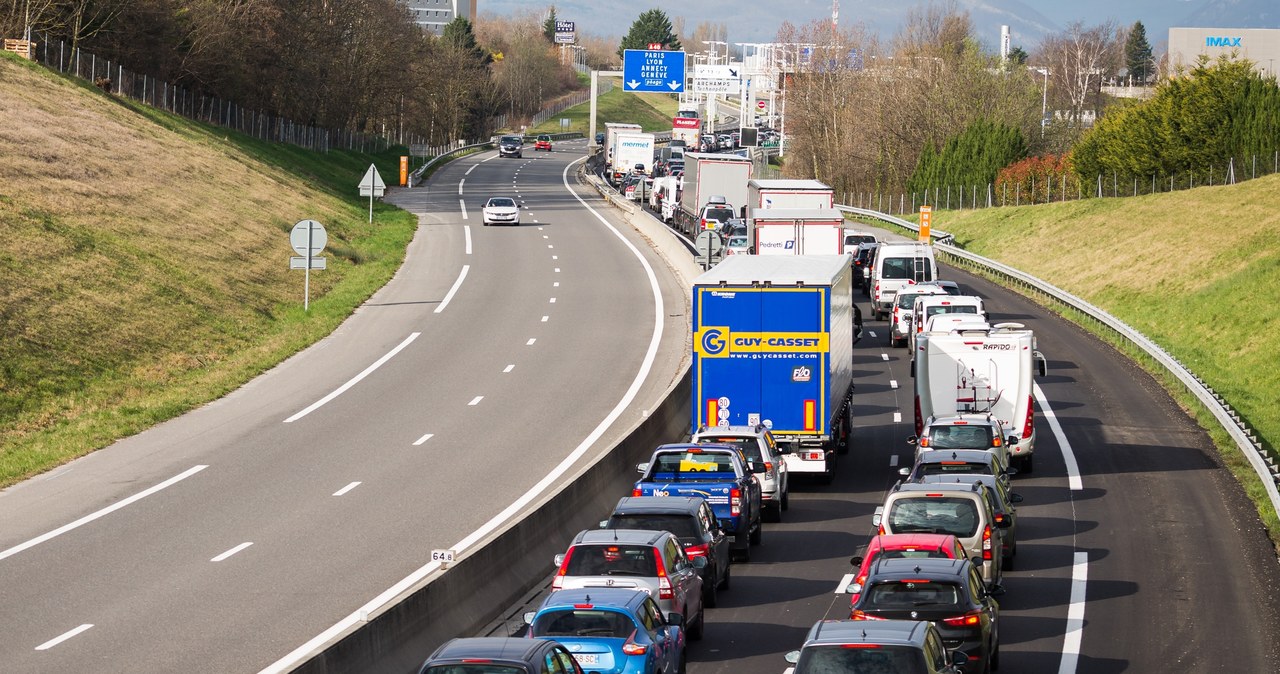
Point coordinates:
pixel 793 359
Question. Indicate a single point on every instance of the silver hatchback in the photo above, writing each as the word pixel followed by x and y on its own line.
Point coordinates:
pixel 650 561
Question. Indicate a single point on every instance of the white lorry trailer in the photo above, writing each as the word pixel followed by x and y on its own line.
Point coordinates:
pixel 707 175
pixel 611 131
pixel 634 149
pixel 977 368
pixel 789 194
pixel 796 231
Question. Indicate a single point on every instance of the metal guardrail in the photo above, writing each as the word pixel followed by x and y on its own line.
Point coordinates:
pixel 417 173
pixel 1263 464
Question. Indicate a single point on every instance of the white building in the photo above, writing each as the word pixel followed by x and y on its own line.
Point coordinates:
pixel 433 15
pixel 1260 45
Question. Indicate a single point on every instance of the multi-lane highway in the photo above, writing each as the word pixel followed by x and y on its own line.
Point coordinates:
pixel 224 539
pixel 1138 551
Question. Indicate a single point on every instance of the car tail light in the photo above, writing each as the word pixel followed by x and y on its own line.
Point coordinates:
pixel 813 455
pixel 664 583
pixel 735 502
pixel 584 606
pixel 996 442
pixel 860 645
pixel 924 442
pixel 476 661
pixel 1029 427
pixel 862 615
pixel 633 648
pixel 967 620
pixel 697 550
pixel 636 492
pixel 558 582
pixel 768 466
pixel 877 290
pixel 986 542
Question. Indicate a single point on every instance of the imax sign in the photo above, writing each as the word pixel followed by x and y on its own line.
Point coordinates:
pixel 1222 42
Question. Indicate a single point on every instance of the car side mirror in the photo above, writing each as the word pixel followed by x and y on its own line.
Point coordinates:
pixel 674 618
pixel 878 517
pixel 528 617
pixel 559 560
pixel 757 467
pixel 642 468
pixel 784 449
pixel 1042 365
pixel 1015 498
pixel 699 562
pixel 1012 440
pixel 904 472
pixel 995 590
pixel 913 439
pixel 959 658
pixel 792 657
pixel 1010 471
pixel 856 561
pixel 604 524
pixel 1003 521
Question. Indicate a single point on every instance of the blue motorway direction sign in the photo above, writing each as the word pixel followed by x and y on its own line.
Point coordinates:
pixel 653 71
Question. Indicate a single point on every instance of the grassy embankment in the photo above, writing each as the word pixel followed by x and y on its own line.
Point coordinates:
pixel 653 112
pixel 144 263
pixel 1196 271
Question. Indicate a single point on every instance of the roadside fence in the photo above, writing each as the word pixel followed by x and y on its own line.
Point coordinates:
pixel 566 103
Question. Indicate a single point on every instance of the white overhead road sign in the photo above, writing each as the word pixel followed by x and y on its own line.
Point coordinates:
pixel 716 86
pixel 717 72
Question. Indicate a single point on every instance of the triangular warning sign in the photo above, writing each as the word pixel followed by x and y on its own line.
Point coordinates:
pixel 372 179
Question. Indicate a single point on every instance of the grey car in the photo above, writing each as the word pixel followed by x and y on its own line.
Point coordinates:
pixel 758 445
pixel 652 561
pixel 1006 510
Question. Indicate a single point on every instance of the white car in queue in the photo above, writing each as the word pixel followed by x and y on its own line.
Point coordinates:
pixel 501 211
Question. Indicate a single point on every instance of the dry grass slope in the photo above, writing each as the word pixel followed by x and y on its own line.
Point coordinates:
pixel 144 266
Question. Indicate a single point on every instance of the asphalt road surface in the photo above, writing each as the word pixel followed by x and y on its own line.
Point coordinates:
pixel 238 532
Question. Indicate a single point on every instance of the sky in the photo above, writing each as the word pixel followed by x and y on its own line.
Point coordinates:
pixel 758 20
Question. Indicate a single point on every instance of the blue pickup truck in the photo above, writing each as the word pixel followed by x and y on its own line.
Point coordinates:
pixel 722 475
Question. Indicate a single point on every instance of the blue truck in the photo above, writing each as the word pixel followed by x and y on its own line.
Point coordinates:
pixel 773 344
pixel 720 474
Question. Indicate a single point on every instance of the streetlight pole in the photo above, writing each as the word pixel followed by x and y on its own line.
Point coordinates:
pixel 1044 99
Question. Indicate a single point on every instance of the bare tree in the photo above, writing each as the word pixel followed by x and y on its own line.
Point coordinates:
pixel 1078 59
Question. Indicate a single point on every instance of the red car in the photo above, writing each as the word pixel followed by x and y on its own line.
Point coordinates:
pixel 543 143
pixel 893 546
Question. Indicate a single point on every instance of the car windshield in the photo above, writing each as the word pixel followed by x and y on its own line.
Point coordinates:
pixel 475 668
pixel 855 239
pixel 512 139
pixel 927 553
pixel 583 623
pixel 720 214
pixel 738 242
pixel 836 659
pixel 693 465
pixel 899 595
pixel 502 203
pixel 957 516
pixel 544 137
pixel 906 300
pixel 954 468
pixel 959 437
pixel 749 446
pixel 612 560
pixel 917 268
pixel 683 526
pixel 950 309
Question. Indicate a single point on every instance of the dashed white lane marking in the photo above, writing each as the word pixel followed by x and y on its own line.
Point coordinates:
pixel 356 379
pixel 557 270
pixel 460 182
pixel 544 235
pixel 423 439
pixel 884 356
pixel 1075 614
pixel 463 205
pixel 844 583
pixel 473 167
pixel 545 319
pixel 871 332
pixel 897 417
pixel 475 401
pixel 555 285
pixel 531 341
pixel 232 551
pixel 893 383
pixel 1068 456
pixel 555 257
pixel 893 461
pixel 509 368
pixel 541 228
pixel 456 284
pixel 535 219
pixel 346 489
pixel 553 300
pixel 466 229
pixel 63 637
pixel 100 513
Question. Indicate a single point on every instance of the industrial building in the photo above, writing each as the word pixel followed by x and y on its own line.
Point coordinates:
pixel 433 15
pixel 1260 45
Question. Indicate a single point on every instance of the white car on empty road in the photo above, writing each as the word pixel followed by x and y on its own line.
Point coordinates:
pixel 501 211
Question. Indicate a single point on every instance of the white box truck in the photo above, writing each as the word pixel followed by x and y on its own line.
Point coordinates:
pixel 796 231
pixel 790 194
pixel 633 149
pixel 977 368
pixel 707 175
pixel 611 131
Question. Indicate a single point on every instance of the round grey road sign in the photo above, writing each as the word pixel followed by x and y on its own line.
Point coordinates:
pixel 298 237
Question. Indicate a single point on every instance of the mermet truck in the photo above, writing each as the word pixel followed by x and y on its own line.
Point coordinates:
pixel 773 344
pixel 633 149
pixel 977 368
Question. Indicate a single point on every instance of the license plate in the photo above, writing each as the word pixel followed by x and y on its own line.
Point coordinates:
pixel 731 538
pixel 587 658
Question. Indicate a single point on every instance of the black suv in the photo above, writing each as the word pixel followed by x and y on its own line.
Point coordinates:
pixel 511 146
pixel 513 655
pixel 880 646
pixel 691 520
pixel 947 592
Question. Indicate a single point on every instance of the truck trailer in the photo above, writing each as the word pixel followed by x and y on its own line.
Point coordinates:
pixel 790 194
pixel 773 344
pixel 796 231
pixel 611 131
pixel 634 149
pixel 978 368
pixel 707 175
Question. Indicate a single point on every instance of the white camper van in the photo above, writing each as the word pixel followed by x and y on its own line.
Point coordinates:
pixel 979 369
pixel 960 307
pixel 896 264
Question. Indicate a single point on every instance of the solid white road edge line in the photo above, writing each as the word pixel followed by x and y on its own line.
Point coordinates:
pixel 346 489
pixel 1075 615
pixel 232 551
pixel 456 284
pixel 423 439
pixel 463 205
pixel 105 511
pixel 362 614
pixel 1068 456
pixel 466 229
pixel 61 638
pixel 354 380
pixel 844 582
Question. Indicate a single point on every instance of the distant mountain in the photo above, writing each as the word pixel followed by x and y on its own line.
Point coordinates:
pixel 1233 14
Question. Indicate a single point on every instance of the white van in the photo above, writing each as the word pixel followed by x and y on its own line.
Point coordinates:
pixel 897 264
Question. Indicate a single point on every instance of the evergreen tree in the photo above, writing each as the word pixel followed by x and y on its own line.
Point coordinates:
pixel 651 26
pixel 1018 56
pixel 549 26
pixel 1137 53
pixel 458 35
pixel 968 160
